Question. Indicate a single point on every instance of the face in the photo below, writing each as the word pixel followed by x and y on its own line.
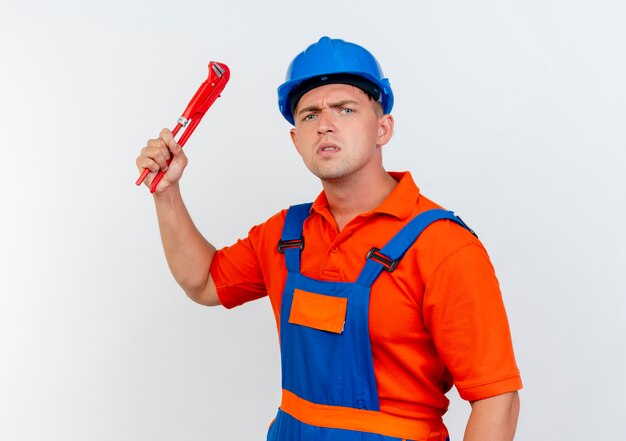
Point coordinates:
pixel 339 132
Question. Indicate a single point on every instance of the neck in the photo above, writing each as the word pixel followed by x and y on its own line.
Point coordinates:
pixel 349 197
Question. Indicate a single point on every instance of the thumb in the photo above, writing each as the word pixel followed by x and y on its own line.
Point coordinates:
pixel 177 153
pixel 176 149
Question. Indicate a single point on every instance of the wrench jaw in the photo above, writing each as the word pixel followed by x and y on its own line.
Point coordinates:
pixel 219 70
pixel 208 92
pixel 219 74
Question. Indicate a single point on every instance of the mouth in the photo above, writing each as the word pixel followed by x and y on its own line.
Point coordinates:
pixel 327 147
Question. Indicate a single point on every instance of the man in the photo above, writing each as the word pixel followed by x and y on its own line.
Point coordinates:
pixel 383 300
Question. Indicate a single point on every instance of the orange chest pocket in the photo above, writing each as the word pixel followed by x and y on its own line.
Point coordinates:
pixel 318 311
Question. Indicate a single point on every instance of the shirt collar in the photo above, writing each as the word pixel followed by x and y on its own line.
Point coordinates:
pixel 399 203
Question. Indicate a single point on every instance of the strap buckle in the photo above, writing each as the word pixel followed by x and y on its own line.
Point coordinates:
pixel 388 264
pixel 292 243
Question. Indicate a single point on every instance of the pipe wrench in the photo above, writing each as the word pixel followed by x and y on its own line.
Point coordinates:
pixel 205 96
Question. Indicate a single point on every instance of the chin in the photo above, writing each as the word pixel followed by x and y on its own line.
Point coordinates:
pixel 329 173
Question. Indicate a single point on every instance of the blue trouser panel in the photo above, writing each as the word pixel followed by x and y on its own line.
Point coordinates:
pixel 333 368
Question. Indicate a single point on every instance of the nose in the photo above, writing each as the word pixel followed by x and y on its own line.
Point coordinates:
pixel 324 122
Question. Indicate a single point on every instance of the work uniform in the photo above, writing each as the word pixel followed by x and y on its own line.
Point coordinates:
pixel 374 364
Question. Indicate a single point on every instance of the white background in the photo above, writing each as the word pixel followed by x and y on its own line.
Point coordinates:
pixel 510 113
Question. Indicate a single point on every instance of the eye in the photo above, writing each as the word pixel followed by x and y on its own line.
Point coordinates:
pixel 347 110
pixel 309 117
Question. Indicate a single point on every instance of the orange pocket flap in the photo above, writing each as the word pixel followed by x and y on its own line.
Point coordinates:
pixel 318 311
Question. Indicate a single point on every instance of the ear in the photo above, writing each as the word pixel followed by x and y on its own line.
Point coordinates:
pixel 385 129
pixel 292 132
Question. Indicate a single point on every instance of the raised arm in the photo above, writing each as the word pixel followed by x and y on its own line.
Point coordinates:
pixel 189 254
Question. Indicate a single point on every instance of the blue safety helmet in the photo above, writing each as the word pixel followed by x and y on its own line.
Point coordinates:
pixel 333 61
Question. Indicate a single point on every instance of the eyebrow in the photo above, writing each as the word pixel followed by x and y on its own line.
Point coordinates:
pixel 331 105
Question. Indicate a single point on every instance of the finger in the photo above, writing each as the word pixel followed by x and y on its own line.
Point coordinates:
pixel 158 151
pixel 147 159
pixel 166 135
pixel 161 145
pixel 145 162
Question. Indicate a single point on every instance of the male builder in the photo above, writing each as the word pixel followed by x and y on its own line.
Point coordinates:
pixel 383 300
